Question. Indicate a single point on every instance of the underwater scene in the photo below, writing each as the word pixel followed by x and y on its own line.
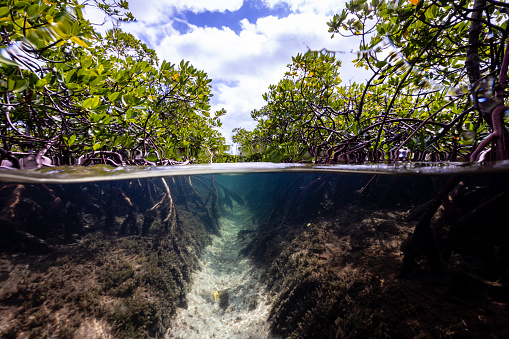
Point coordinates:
pixel 255 251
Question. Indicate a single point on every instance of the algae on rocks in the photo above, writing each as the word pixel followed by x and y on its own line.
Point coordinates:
pixel 337 246
pixel 102 258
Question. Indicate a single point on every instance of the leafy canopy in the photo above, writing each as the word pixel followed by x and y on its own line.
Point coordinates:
pixel 424 56
pixel 68 92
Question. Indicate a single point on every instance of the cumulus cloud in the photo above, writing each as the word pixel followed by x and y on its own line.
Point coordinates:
pixel 243 63
pixel 157 10
pixel 327 7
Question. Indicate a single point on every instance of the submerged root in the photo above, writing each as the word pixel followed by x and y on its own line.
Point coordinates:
pixel 8 211
pixel 422 241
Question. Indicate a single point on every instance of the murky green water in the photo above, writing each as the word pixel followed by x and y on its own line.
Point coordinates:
pixel 255 251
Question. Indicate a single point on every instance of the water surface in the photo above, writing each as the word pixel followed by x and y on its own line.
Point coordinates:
pixel 255 250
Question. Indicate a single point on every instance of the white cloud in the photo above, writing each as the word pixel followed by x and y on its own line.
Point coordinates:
pixel 157 10
pixel 327 7
pixel 150 12
pixel 238 104
pixel 244 64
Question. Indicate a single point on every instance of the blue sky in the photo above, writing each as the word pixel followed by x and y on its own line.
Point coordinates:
pixel 243 45
pixel 250 10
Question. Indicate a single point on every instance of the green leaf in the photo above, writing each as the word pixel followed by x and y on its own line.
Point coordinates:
pixel 92 102
pixel 86 62
pixel 78 11
pixel 20 85
pixel 113 96
pixel 140 91
pixel 131 114
pixel 71 76
pixel 75 28
pixel 79 42
pixel 152 157
pixel 97 146
pixel 69 141
pixel 116 141
pixel 93 117
pixel 7 61
pixel 72 86
pixel 4 11
pixel 18 5
pixel 33 11
pixel 41 83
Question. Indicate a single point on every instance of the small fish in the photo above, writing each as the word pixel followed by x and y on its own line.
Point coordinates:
pixel 215 295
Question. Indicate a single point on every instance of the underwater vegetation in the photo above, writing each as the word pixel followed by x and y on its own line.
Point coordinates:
pixel 101 259
pixel 387 256
pixel 345 255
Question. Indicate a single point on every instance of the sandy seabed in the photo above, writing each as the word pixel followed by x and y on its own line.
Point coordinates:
pixel 244 303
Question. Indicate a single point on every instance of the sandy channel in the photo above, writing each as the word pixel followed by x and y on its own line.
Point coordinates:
pixel 243 305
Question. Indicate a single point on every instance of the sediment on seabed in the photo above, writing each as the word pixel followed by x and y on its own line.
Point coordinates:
pixel 361 256
pixel 228 298
pixel 99 260
pixel 388 257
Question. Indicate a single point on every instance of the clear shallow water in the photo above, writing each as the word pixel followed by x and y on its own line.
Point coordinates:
pixel 139 252
pixel 69 174
pixel 242 303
